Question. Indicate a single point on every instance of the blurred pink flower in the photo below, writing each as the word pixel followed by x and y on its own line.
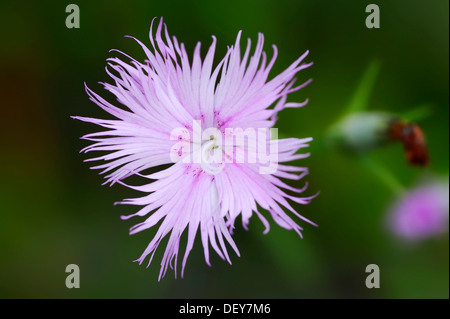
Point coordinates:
pixel 421 213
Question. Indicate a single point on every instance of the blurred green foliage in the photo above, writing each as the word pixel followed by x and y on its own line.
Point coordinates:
pixel 54 211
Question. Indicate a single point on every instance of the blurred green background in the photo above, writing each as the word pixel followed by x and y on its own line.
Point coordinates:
pixel 54 211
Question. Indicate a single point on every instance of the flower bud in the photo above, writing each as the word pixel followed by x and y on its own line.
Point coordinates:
pixel 361 131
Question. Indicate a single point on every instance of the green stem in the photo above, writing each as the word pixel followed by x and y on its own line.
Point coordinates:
pixel 383 174
pixel 418 113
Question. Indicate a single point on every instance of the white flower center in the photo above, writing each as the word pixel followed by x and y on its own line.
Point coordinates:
pixel 212 161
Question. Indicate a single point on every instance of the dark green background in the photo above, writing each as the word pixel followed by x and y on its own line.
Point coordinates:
pixel 54 211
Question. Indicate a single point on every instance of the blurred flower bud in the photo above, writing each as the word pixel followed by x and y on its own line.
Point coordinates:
pixel 361 131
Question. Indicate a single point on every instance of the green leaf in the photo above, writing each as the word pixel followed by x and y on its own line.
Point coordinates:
pixel 360 99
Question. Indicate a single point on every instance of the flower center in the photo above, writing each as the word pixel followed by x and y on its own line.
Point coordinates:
pixel 211 157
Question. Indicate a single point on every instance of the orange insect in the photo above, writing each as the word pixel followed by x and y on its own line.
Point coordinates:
pixel 413 139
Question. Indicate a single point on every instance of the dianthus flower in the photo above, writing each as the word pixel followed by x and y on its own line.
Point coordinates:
pixel 212 126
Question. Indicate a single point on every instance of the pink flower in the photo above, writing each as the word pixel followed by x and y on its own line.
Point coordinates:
pixel 421 213
pixel 163 101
